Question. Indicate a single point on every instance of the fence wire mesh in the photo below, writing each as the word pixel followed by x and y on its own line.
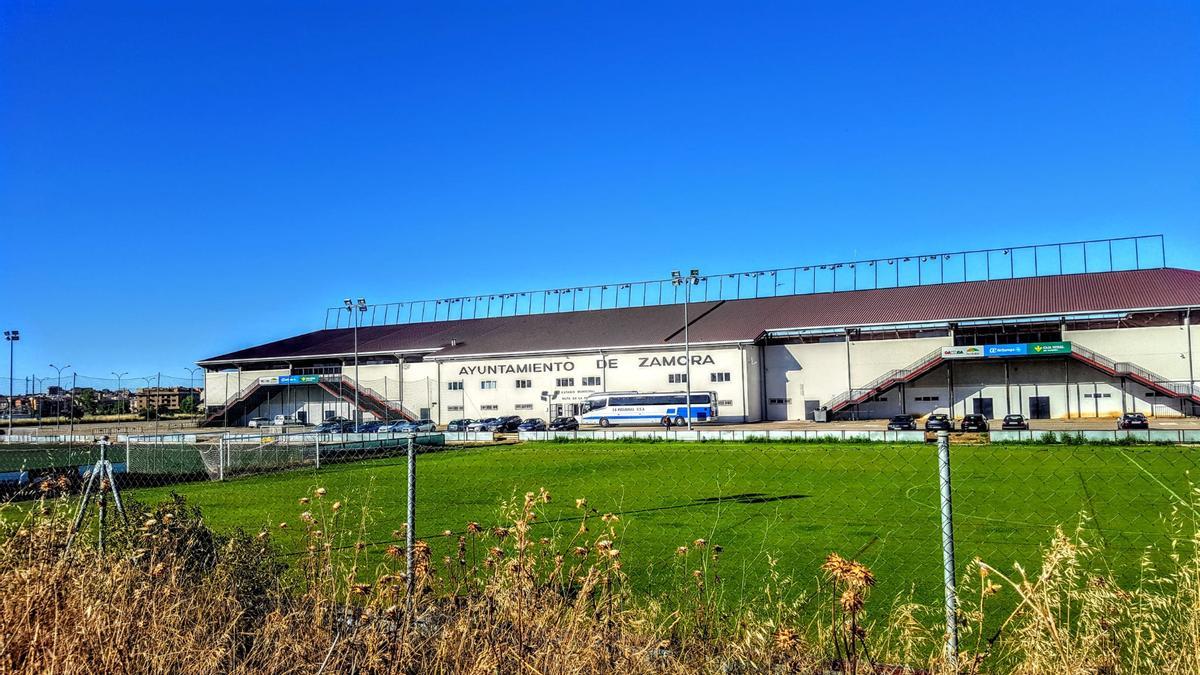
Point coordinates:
pixel 733 516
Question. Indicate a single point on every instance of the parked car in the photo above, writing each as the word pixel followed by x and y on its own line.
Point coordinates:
pixel 939 422
pixel 334 427
pixel 367 428
pixel 415 426
pixel 258 422
pixel 1014 422
pixel 483 424
pixel 287 421
pixel 506 423
pixel 392 427
pixel 564 424
pixel 1133 421
pixel 460 425
pixel 902 423
pixel 974 422
pixel 532 424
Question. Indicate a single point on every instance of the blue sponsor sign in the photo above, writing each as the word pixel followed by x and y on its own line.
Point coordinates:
pixel 1006 350
pixel 299 379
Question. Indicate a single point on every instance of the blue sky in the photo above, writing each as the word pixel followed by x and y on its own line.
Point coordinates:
pixel 182 179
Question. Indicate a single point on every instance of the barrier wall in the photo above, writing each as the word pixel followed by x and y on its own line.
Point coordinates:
pixel 731 435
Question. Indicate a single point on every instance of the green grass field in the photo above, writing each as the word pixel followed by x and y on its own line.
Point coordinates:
pixel 874 502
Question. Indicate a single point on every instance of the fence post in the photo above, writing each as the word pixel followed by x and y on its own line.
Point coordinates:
pixel 221 459
pixel 410 517
pixel 943 445
pixel 126 455
pixel 318 451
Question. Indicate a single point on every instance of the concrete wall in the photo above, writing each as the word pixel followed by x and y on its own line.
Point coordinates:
pixel 1161 349
pixel 816 372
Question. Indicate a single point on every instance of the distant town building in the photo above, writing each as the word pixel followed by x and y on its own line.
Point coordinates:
pixel 168 399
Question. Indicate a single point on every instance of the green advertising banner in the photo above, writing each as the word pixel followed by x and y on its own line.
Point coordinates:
pixel 1044 348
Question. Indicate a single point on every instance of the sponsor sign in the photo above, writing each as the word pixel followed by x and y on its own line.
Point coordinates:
pixel 967 352
pixel 299 379
pixel 268 380
pixel 1003 351
pixel 1050 348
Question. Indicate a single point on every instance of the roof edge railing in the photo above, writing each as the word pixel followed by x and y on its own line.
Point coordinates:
pixel 989 264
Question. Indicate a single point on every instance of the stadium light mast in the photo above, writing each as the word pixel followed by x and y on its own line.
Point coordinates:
pixel 119 376
pixel 12 336
pixel 357 316
pixel 692 279
pixel 58 408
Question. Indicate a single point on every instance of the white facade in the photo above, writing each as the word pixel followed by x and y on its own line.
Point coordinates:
pixel 767 379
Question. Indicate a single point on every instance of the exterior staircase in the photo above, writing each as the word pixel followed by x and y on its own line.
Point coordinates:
pixel 858 395
pixel 369 400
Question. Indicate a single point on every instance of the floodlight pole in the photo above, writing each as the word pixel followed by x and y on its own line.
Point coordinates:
pixel 361 307
pixel 58 408
pixel 12 336
pixel 119 376
pixel 688 281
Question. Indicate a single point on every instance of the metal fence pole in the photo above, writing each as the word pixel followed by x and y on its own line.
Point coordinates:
pixel 943 444
pixel 221 459
pixel 411 516
pixel 126 455
pixel 318 451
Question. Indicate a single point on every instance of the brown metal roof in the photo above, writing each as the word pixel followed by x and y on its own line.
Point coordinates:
pixel 745 320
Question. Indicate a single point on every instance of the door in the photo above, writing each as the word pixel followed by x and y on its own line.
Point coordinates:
pixel 1039 407
pixel 424 413
pixel 983 406
pixel 810 408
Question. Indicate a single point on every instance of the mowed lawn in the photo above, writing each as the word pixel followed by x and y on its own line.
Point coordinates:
pixel 793 502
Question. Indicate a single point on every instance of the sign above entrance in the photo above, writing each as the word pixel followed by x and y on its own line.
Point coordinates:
pixel 299 379
pixel 1002 351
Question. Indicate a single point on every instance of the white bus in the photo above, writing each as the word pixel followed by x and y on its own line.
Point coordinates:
pixel 628 407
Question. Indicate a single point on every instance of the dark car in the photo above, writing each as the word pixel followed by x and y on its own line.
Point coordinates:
pixel 564 424
pixel 938 423
pixel 1133 421
pixel 366 428
pixel 974 423
pixel 532 424
pixel 334 427
pixel 902 423
pixel 507 423
pixel 1014 422
pixel 459 425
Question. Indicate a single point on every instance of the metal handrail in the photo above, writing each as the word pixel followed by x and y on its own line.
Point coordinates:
pixel 892 376
pixel 1097 255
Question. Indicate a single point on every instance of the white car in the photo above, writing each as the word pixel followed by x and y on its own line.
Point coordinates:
pixel 482 425
pixel 258 422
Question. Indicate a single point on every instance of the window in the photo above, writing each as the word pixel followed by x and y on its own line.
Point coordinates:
pixel 927 398
pixel 726 402
pixel 677 378
pixel 454 408
pixel 487 384
pixel 455 386
pixel 489 407
pixel 565 382
pixel 524 384
pixel 719 377
pixel 1097 395
pixel 1152 394
pixel 877 397
pixel 779 401
pixel 591 381
pixel 524 406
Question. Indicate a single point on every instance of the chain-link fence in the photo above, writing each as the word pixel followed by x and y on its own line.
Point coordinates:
pixel 741 515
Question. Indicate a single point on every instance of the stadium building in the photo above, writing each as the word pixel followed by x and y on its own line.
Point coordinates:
pixel 983 331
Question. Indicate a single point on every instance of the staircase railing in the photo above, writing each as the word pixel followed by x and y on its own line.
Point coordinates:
pixel 884 381
pixel 1129 369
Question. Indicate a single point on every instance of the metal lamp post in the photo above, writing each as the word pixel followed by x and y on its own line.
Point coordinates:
pixel 192 383
pixel 119 376
pixel 357 316
pixel 12 336
pixel 692 279
pixel 58 408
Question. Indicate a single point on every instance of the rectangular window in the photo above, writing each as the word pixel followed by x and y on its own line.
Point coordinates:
pixel 591 381
pixel 779 401
pixel 524 406
pixel 524 384
pixel 487 384
pixel 489 407
pixel 565 382
pixel 454 408
pixel 677 378
pixel 927 398
pixel 455 386
pixel 719 377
